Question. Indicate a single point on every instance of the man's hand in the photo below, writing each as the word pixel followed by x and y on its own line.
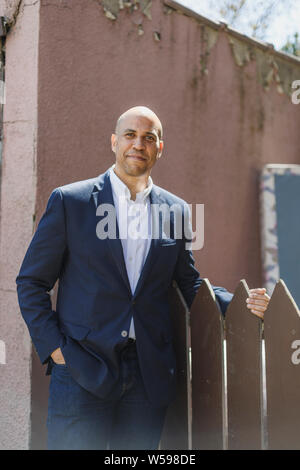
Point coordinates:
pixel 258 301
pixel 57 356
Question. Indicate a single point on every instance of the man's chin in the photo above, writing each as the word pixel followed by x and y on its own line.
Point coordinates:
pixel 135 170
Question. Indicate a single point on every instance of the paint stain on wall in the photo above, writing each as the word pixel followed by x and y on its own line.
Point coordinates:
pixel 113 7
pixel 271 69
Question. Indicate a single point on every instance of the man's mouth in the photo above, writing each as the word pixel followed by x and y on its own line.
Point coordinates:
pixel 137 157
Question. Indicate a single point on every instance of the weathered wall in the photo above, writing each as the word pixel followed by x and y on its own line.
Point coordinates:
pixel 221 124
pixel 18 185
pixel 225 114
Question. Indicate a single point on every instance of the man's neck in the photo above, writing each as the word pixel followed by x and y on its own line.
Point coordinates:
pixel 135 184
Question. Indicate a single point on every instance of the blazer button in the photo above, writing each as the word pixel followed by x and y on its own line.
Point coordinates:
pixel 133 302
pixel 124 333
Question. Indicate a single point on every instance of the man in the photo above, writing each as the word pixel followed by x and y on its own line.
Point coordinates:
pixel 109 344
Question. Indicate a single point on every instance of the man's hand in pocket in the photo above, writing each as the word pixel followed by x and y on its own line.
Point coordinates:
pixel 57 356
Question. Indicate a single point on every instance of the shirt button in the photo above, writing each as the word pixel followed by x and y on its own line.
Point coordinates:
pixel 124 333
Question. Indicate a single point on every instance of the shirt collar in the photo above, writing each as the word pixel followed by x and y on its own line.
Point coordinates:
pixel 120 189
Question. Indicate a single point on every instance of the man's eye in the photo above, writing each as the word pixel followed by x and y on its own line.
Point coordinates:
pixel 129 134
pixel 150 137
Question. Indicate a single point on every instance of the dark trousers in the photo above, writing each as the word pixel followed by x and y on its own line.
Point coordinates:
pixel 78 420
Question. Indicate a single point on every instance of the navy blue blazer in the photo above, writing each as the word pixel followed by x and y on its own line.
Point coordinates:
pixel 94 302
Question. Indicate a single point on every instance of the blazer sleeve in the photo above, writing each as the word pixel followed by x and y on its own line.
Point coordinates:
pixel 38 273
pixel 188 278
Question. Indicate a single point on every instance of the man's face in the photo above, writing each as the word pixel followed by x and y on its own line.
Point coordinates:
pixel 137 145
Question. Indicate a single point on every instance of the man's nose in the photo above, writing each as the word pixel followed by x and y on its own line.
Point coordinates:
pixel 139 143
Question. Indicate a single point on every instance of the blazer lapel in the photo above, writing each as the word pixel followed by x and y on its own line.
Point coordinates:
pixel 103 195
pixel 153 250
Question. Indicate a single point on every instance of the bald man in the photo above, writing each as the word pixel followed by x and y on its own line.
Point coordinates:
pixel 108 346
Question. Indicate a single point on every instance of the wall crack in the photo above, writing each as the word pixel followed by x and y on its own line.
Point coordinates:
pixel 11 13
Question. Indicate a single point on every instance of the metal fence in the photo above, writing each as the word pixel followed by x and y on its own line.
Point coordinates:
pixel 239 376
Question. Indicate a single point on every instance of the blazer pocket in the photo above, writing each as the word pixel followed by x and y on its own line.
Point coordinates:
pixel 78 332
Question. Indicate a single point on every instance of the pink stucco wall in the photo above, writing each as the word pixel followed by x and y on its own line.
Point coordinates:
pixel 220 124
pixel 18 195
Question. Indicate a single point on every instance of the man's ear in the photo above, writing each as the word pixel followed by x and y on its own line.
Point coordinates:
pixel 113 142
pixel 161 146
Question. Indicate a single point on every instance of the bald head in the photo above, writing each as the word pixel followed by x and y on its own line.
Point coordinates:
pixel 140 111
pixel 137 144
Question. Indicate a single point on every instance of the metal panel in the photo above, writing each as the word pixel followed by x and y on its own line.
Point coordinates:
pixel 243 343
pixel 280 226
pixel 282 341
pixel 207 370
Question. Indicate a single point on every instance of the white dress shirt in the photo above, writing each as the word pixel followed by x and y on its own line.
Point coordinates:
pixel 134 222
